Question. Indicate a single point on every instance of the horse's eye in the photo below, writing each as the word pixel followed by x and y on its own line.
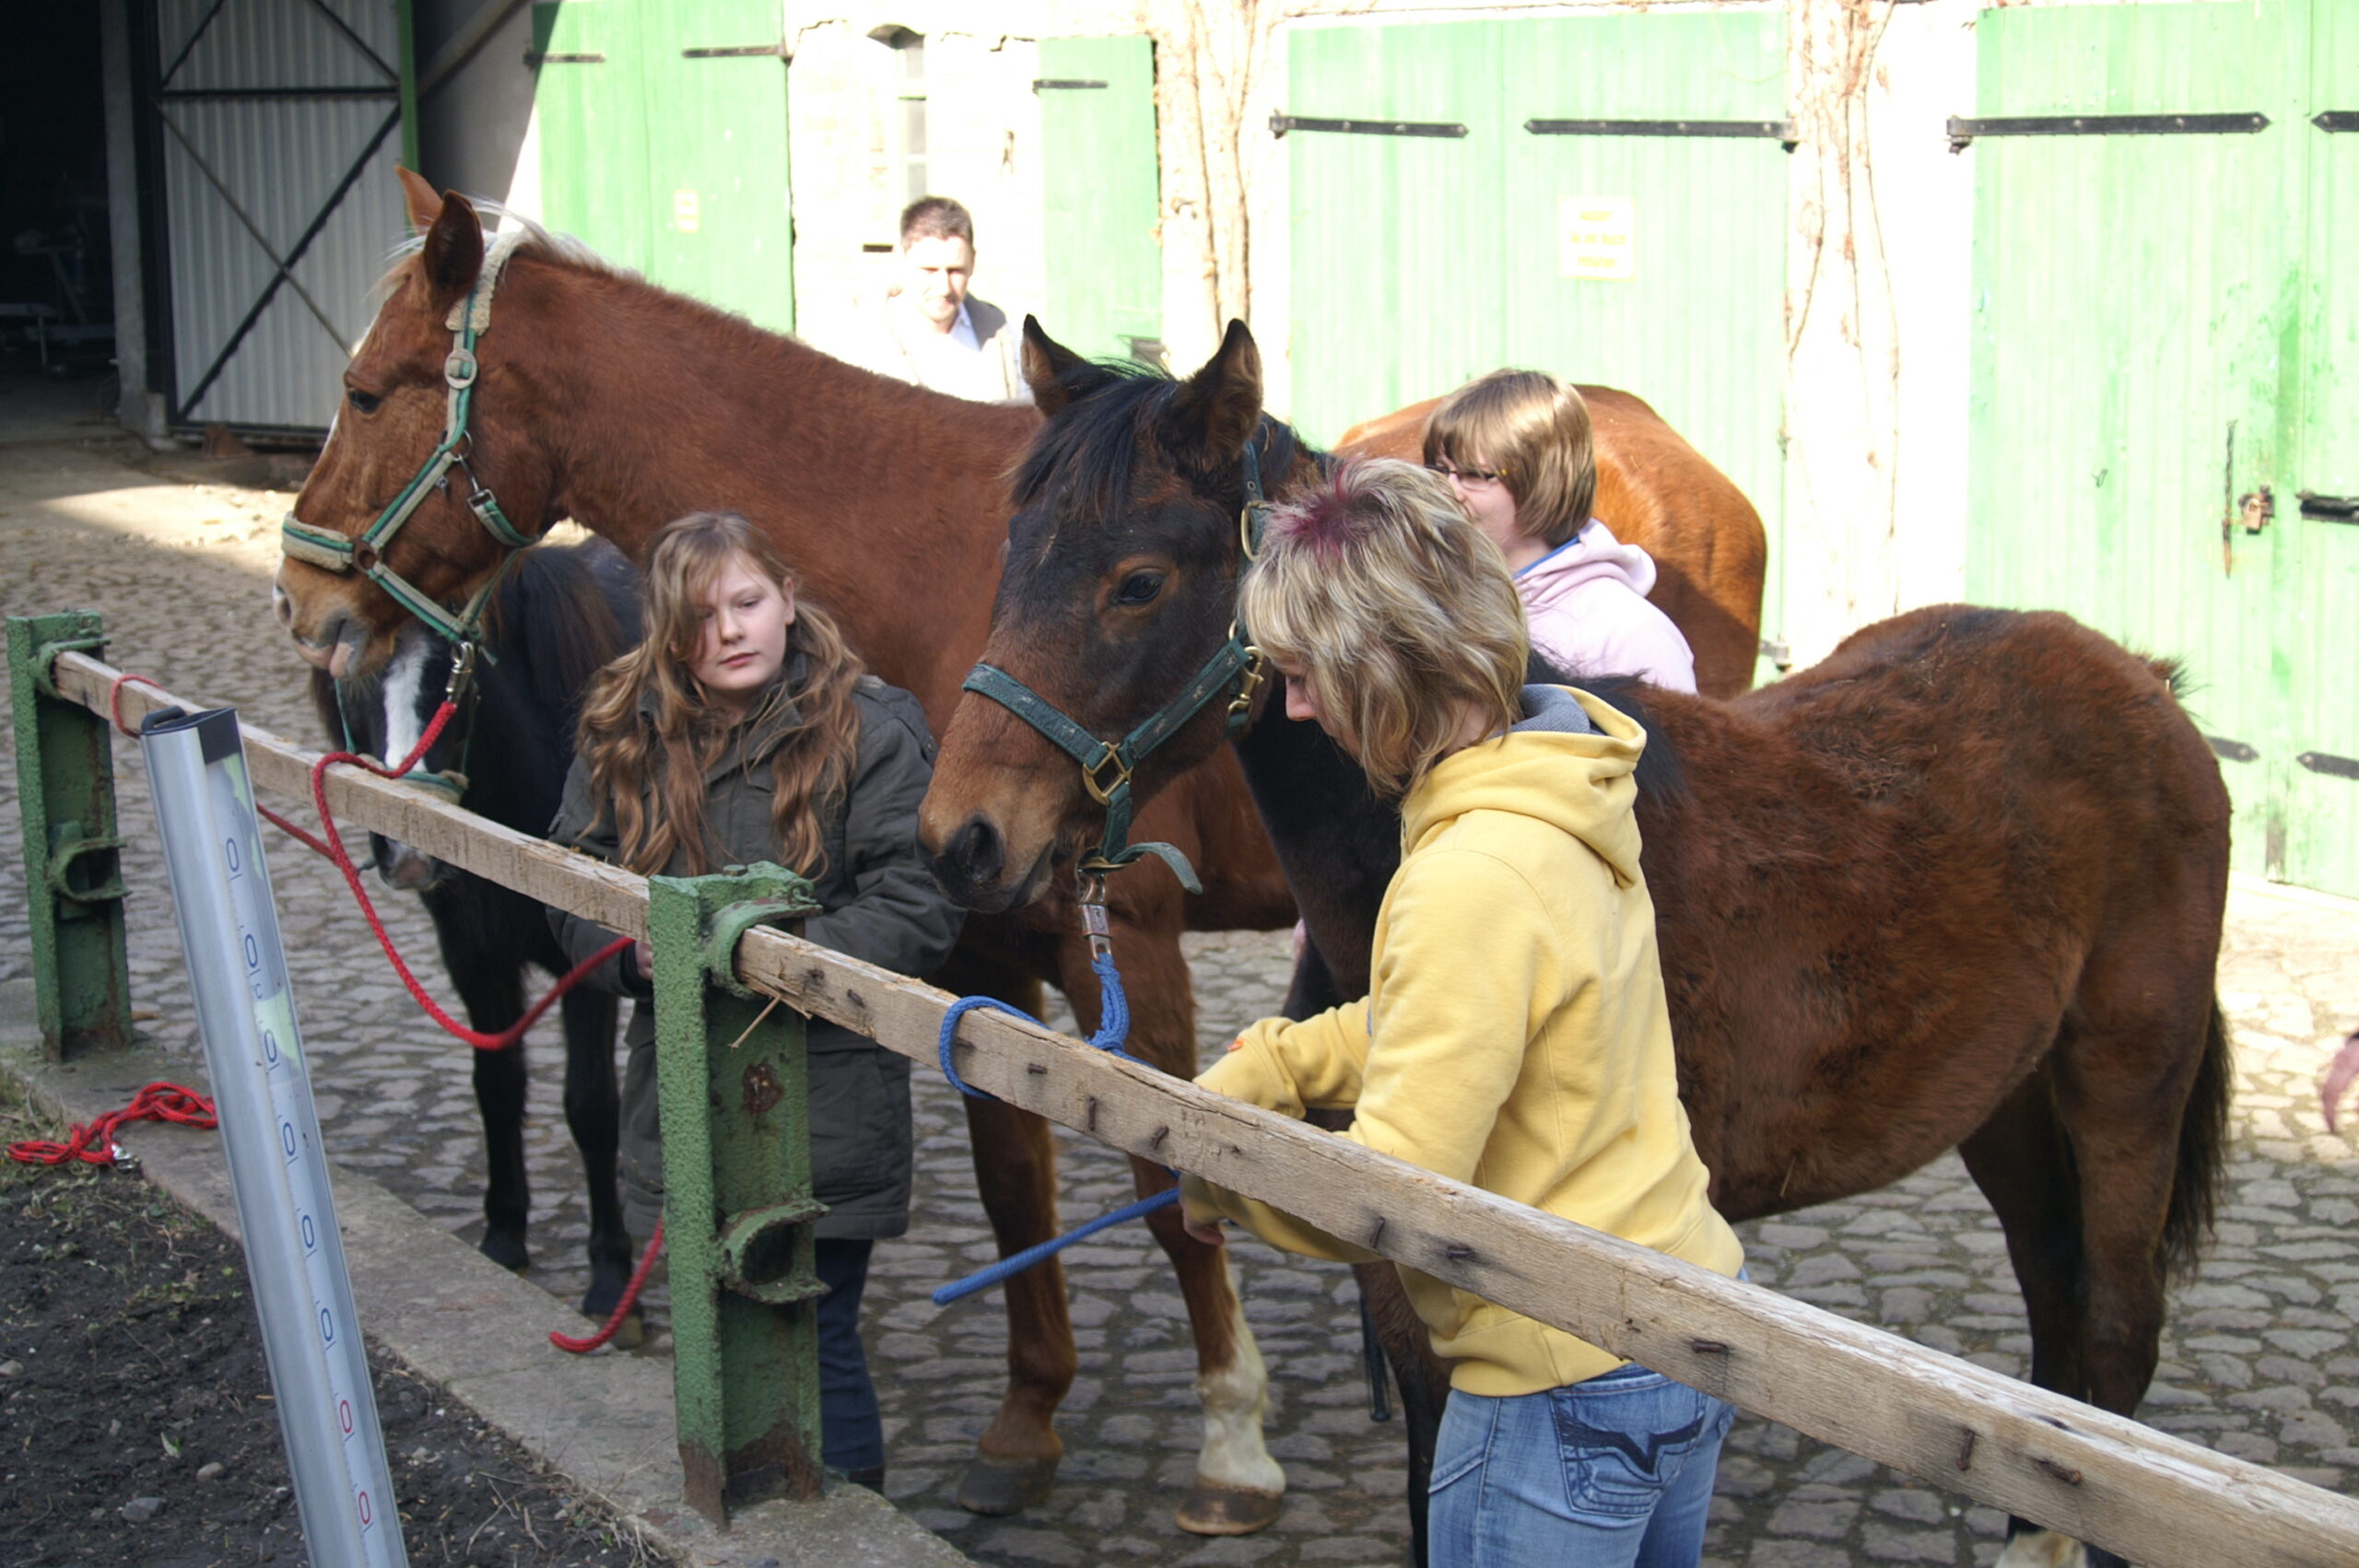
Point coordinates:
pixel 1139 588
pixel 362 403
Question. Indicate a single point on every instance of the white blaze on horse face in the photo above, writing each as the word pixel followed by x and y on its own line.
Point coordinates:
pixel 403 693
pixel 1234 1399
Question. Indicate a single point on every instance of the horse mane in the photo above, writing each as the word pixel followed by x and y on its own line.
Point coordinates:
pixel 539 240
pixel 1086 456
pixel 569 608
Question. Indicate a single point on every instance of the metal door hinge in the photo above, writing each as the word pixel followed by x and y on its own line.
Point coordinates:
pixel 2330 763
pixel 534 60
pixel 738 52
pixel 1766 129
pixel 1065 84
pixel 2329 508
pixel 1281 124
pixel 2336 120
pixel 1964 131
pixel 2232 751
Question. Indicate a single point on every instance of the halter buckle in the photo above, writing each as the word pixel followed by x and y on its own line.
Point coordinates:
pixel 1249 682
pixel 462 671
pixel 1108 755
pixel 1248 534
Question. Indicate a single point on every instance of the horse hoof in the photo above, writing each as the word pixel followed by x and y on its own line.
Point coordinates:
pixel 998 1487
pixel 1214 1510
pixel 505 1250
pixel 630 1333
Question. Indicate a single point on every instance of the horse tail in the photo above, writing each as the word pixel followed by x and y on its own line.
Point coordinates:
pixel 2202 1144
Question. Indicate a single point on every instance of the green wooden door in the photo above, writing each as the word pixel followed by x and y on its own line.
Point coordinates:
pixel 663 144
pixel 2321 816
pixel 1617 255
pixel 2153 316
pixel 1101 196
pixel 593 125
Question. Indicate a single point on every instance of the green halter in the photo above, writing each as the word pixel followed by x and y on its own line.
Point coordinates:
pixel 325 548
pixel 1236 667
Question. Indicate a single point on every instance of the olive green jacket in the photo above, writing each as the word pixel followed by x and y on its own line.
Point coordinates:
pixel 879 903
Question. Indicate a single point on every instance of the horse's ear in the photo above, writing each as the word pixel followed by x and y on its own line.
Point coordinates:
pixel 1055 373
pixel 1220 405
pixel 454 254
pixel 424 204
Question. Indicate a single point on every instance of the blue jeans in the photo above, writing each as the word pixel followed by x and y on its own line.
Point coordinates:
pixel 851 1428
pixel 1615 1472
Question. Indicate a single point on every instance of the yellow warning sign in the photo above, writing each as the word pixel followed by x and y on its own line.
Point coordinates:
pixel 1595 238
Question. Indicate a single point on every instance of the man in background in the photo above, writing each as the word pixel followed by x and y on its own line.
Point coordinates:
pixel 929 329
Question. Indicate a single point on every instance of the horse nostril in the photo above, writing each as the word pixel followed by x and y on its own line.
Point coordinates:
pixel 978 852
pixel 283 604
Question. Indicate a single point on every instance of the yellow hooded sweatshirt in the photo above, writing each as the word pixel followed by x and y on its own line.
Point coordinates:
pixel 1515 1036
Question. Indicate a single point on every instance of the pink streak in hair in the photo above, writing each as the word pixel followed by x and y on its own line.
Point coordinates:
pixel 1328 521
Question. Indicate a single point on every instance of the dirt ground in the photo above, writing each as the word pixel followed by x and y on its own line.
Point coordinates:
pixel 135 1419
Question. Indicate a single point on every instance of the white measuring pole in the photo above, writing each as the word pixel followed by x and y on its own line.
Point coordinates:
pixel 262 1092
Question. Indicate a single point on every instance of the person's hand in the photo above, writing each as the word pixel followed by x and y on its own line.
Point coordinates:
pixel 643 958
pixel 1206 1231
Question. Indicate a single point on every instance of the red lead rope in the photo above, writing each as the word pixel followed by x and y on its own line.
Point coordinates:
pixel 152 1102
pixel 93 1143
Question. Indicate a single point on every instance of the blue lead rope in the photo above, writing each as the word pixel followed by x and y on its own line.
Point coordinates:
pixel 1113 1028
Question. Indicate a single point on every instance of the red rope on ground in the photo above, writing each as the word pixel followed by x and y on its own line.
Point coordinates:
pixel 589 1342
pixel 93 1144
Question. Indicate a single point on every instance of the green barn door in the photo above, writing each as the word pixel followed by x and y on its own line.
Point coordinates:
pixel 2321 841
pixel 592 125
pixel 1602 197
pixel 2138 366
pixel 724 226
pixel 1101 196
pixel 663 144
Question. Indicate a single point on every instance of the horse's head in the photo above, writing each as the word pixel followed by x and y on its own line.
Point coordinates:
pixel 331 591
pixel 1117 590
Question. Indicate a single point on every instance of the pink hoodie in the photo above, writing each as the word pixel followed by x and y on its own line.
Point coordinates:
pixel 1587 604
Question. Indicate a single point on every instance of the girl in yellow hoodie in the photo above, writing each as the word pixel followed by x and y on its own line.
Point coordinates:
pixel 1515 1034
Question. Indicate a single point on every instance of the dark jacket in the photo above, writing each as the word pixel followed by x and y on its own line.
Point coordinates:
pixel 879 904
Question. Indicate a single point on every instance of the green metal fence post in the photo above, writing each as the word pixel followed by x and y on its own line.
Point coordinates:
pixel 73 856
pixel 737 1201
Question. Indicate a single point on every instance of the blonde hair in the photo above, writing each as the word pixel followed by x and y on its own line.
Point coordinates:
pixel 1399 611
pixel 650 732
pixel 1535 430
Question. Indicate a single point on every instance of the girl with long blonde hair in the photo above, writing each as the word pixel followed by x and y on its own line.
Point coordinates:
pixel 741 730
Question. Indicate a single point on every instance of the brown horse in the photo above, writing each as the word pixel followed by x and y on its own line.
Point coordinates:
pixel 1659 493
pixel 1959 886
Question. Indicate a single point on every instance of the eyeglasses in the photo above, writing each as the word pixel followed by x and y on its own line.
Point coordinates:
pixel 1473 478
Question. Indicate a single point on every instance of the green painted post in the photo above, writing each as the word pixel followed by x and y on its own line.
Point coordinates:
pixel 737 1201
pixel 72 871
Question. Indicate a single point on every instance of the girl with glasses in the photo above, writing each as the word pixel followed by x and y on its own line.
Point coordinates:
pixel 1516 1034
pixel 1515 448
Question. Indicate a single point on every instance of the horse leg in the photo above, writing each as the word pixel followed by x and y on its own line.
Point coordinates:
pixel 2022 1161
pixel 1238 1487
pixel 1015 1174
pixel 1423 1382
pixel 593 1113
pixel 494 996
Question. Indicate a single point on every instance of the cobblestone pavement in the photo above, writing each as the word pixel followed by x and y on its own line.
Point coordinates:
pixel 2255 1362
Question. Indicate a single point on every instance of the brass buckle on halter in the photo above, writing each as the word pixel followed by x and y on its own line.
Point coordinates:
pixel 1248 680
pixel 1104 793
pixel 1245 528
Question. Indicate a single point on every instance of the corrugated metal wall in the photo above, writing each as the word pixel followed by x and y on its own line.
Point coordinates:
pixel 278 128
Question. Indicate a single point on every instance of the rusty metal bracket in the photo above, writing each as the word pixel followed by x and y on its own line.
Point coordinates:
pixel 738 1205
pixel 72 853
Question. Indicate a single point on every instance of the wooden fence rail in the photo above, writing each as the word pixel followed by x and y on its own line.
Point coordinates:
pixel 2099 1478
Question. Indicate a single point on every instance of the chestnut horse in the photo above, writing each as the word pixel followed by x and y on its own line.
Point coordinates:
pixel 1659 493
pixel 1959 886
pixel 602 398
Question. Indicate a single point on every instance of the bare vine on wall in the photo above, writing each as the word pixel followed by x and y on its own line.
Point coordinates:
pixel 1224 44
pixel 1846 270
